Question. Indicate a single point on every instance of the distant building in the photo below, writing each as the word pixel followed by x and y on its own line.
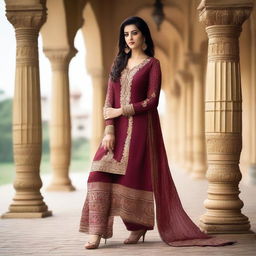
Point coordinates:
pixel 80 117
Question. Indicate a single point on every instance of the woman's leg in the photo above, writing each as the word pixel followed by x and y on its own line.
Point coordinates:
pixel 134 226
pixel 95 218
pixel 137 231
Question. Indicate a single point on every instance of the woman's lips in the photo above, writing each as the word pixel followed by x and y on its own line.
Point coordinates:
pixel 131 43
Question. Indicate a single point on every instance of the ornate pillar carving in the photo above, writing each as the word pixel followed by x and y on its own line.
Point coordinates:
pixel 27 130
pixel 223 115
pixel 199 150
pixel 60 124
pixel 98 81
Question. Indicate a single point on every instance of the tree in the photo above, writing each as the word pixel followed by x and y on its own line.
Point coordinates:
pixel 6 154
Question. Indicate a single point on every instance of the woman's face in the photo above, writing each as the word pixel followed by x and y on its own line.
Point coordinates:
pixel 133 36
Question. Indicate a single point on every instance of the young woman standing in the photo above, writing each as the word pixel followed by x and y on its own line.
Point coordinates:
pixel 130 168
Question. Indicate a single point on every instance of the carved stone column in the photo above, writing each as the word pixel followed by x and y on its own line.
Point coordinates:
pixel 223 114
pixel 182 120
pixel 27 130
pixel 167 123
pixel 189 123
pixel 98 81
pixel 252 168
pixel 175 124
pixel 184 79
pixel 60 124
pixel 199 166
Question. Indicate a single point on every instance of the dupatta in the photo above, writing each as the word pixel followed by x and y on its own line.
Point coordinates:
pixel 174 225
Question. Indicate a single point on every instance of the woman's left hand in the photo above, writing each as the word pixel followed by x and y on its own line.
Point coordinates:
pixel 112 112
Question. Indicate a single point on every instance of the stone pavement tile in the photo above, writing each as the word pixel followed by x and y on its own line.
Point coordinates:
pixel 58 235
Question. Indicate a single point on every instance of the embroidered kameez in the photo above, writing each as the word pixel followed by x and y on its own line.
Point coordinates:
pixel 125 182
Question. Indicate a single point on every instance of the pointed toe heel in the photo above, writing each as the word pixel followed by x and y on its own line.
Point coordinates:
pixel 94 244
pixel 136 237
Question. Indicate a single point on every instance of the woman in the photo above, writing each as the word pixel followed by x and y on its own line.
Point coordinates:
pixel 131 166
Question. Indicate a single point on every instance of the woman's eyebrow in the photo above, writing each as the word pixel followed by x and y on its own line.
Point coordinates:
pixel 131 31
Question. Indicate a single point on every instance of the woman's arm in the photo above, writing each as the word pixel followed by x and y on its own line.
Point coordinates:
pixel 153 93
pixel 109 102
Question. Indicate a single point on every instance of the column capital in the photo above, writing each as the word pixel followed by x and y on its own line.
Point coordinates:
pixel 23 16
pixel 224 12
pixel 60 58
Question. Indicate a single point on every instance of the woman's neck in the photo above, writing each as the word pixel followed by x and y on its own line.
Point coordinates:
pixel 137 54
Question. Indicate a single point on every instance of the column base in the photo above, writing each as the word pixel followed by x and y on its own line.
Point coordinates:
pixel 252 174
pixel 26 215
pixel 60 187
pixel 222 225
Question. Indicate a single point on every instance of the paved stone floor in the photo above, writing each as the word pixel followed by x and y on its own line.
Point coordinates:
pixel 58 235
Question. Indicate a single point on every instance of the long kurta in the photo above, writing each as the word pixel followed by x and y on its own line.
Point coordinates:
pixel 124 182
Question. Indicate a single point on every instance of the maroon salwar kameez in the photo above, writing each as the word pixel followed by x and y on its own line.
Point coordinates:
pixel 124 182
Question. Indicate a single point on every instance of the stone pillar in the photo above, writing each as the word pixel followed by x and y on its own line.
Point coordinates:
pixel 168 124
pixel 252 168
pixel 199 166
pixel 27 130
pixel 223 116
pixel 182 120
pixel 184 79
pixel 175 124
pixel 98 82
pixel 189 124
pixel 60 124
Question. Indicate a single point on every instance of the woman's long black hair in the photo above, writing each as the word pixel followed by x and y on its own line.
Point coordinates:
pixel 121 59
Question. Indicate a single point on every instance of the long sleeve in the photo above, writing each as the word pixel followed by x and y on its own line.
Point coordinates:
pixel 109 103
pixel 153 93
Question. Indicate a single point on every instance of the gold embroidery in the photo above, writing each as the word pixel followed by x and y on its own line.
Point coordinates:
pixel 107 101
pixel 106 200
pixel 107 162
pixel 128 110
pixel 109 129
pixel 145 102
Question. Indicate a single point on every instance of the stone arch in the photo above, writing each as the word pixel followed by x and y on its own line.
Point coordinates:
pixel 95 65
pixel 92 38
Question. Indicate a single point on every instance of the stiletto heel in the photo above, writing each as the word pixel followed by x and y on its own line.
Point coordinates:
pixel 93 245
pixel 136 238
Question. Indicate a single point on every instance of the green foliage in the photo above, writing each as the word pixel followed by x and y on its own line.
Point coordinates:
pixel 6 131
pixel 80 147
pixel 46 144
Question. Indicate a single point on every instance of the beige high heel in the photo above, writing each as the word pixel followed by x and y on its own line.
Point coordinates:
pixel 95 244
pixel 137 237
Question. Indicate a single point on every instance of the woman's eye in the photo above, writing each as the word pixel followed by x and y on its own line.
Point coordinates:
pixel 125 35
pixel 134 33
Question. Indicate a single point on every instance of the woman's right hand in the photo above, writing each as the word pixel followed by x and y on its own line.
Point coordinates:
pixel 108 142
